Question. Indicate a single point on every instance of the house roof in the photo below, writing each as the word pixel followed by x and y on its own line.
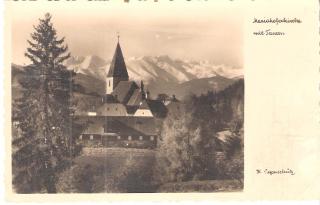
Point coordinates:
pixel 146 126
pixel 116 126
pixel 121 125
pixel 118 67
pixel 124 90
pixel 95 126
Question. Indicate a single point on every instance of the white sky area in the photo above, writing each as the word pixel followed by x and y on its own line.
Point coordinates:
pixel 202 31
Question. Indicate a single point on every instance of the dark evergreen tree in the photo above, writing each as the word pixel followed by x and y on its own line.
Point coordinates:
pixel 43 114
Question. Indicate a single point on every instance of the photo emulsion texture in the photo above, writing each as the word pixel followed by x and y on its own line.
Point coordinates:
pixel 151 109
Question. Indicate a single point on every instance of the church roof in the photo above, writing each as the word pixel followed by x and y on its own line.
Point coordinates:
pixel 144 105
pixel 118 67
pixel 110 99
pixel 135 98
pixel 124 90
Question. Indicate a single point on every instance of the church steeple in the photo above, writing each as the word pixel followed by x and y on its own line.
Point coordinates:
pixel 117 71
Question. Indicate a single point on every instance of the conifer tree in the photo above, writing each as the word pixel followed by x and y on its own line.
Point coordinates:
pixel 43 113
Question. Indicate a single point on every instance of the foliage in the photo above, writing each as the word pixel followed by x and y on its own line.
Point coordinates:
pixel 133 177
pixel 232 167
pixel 43 114
pixel 189 140
pixel 183 153
pixel 82 179
pixel 116 175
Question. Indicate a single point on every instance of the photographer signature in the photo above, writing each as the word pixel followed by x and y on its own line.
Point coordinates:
pixel 272 172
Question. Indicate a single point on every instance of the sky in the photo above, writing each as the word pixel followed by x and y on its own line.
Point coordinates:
pixel 203 31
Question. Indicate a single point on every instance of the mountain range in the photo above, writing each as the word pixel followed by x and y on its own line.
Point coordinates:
pixel 160 74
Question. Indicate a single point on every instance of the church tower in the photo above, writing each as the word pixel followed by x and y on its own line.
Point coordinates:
pixel 118 70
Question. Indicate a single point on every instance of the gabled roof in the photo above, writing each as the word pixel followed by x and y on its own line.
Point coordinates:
pixel 135 98
pixel 124 90
pixel 118 67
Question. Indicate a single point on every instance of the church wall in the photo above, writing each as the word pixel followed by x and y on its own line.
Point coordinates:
pixel 114 109
pixel 143 113
pixel 109 85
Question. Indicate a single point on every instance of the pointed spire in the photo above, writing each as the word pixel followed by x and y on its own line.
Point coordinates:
pixel 118 67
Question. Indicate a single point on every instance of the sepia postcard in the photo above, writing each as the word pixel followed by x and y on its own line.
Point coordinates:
pixel 161 100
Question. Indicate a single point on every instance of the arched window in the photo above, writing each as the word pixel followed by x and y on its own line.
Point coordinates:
pixel 109 83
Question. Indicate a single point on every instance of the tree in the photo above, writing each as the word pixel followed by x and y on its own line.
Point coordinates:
pixel 43 114
pixel 184 153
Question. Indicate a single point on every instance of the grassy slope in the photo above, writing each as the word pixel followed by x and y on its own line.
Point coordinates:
pixel 203 186
pixel 122 169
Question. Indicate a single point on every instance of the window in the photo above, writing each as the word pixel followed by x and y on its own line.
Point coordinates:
pixel 80 137
pixel 140 137
pixel 129 138
pixel 151 138
pixel 109 83
pixel 108 108
pixel 91 137
pixel 119 137
pixel 116 108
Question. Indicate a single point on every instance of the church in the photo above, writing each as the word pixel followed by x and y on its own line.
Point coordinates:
pixel 127 117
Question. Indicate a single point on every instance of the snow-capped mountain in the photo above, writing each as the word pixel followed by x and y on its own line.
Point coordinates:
pixel 154 68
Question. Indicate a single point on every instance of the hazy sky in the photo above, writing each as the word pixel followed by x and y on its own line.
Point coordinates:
pixel 203 31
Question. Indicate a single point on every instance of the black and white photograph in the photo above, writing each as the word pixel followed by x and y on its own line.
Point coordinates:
pixel 108 101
